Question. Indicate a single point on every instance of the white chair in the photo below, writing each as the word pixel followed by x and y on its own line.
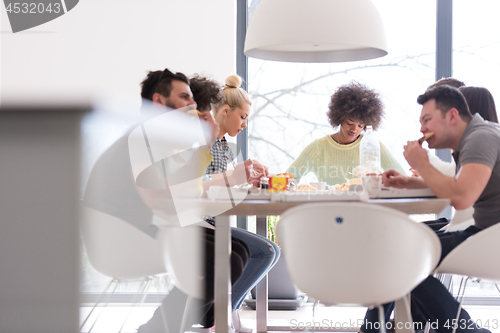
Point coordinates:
pixel 183 254
pixel 117 249
pixel 460 221
pixel 356 253
pixel 476 257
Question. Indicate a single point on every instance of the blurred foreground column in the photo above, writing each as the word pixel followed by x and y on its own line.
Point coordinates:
pixel 39 177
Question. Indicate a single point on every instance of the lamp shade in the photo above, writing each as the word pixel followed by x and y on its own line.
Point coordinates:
pixel 315 31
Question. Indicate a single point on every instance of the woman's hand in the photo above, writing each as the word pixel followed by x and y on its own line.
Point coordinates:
pixel 260 169
pixel 250 171
pixel 242 173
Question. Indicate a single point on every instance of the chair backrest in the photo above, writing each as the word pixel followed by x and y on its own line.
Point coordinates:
pixel 355 253
pixel 117 249
pixel 477 256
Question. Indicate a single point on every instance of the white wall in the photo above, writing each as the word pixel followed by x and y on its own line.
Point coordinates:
pixel 104 46
pixel 98 48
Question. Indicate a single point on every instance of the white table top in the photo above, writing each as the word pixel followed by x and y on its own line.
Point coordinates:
pixel 204 206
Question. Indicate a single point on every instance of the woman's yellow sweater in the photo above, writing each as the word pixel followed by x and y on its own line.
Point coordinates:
pixel 332 162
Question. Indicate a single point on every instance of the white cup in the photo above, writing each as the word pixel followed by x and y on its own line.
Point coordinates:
pixel 371 183
pixel 320 186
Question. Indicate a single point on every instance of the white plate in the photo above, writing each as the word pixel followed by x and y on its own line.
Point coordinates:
pixel 320 196
pixel 226 193
pixel 390 192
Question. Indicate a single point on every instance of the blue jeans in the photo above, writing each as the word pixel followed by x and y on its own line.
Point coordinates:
pixel 431 297
pixel 264 254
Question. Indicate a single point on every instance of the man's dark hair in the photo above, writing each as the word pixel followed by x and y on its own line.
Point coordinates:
pixel 448 81
pixel 205 92
pixel 356 101
pixel 160 82
pixel 446 98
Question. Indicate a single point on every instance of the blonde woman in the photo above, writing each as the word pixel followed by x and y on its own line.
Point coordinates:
pixel 232 113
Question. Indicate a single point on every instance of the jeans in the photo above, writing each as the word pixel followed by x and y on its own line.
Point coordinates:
pixel 431 297
pixel 264 254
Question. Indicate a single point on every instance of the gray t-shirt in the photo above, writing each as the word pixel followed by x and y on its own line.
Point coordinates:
pixel 481 144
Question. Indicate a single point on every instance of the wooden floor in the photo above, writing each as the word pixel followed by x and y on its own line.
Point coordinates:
pixel 111 319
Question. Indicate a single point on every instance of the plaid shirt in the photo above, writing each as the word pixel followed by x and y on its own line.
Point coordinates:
pixel 221 155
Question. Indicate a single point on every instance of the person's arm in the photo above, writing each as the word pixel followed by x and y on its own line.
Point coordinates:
pixel 462 190
pixel 392 178
pixel 240 175
pixel 260 169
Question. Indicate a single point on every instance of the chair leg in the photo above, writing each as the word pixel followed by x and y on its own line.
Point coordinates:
pixel 427 327
pixel 460 304
pixel 381 318
pixel 143 290
pixel 106 304
pixel 185 315
pixel 460 287
pixel 315 306
pixel 447 281
pixel 98 301
pixel 402 315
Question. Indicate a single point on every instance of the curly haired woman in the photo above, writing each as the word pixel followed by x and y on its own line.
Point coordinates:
pixel 333 157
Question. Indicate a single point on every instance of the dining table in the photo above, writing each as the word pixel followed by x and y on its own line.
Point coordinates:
pixel 261 207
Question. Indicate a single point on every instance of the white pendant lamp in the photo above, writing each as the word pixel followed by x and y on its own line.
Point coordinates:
pixel 315 31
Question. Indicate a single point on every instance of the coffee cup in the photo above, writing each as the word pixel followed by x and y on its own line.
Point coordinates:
pixel 320 186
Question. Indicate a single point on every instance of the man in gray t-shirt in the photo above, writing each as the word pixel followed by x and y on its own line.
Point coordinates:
pixel 476 145
pixel 480 144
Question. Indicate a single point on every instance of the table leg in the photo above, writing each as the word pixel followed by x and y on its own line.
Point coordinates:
pixel 222 283
pixel 261 300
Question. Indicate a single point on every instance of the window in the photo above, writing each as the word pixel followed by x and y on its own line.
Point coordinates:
pixel 476 50
pixel 476 44
pixel 290 100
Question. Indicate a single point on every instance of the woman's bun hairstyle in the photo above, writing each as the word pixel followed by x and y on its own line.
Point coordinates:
pixel 232 82
pixel 232 94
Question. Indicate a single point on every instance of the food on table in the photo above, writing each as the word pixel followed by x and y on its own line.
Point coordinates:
pixel 354 181
pixel 305 187
pixel 341 187
pixel 277 183
pixel 426 136
pixel 286 174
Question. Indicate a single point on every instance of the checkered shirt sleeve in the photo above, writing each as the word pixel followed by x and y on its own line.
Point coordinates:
pixel 221 155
